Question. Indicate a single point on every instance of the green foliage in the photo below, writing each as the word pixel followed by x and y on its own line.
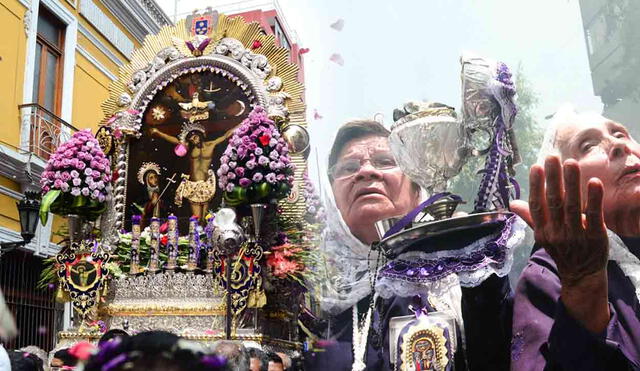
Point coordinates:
pixel 529 138
pixel 45 204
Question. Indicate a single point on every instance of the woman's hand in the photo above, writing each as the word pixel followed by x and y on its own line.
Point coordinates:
pixel 576 241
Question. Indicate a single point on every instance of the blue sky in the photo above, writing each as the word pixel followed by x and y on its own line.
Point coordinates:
pixel 395 51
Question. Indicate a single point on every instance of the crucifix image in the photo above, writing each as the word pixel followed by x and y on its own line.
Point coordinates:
pixel 199 186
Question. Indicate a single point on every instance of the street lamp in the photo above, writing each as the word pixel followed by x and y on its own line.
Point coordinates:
pixel 28 209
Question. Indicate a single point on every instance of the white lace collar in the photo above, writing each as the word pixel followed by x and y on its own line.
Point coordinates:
pixel 627 261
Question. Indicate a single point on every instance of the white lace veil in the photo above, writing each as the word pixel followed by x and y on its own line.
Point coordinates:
pixel 347 261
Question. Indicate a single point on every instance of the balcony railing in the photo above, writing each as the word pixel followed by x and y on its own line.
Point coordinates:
pixel 46 130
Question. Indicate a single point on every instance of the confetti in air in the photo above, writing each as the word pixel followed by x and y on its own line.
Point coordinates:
pixel 337 58
pixel 303 51
pixel 316 115
pixel 338 25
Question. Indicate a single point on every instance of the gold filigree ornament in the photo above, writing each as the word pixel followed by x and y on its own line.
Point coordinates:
pixel 204 42
pixel 105 140
pixel 245 286
pixel 424 348
pixel 82 274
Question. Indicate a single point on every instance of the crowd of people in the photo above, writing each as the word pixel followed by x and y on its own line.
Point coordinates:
pixel 575 307
pixel 150 351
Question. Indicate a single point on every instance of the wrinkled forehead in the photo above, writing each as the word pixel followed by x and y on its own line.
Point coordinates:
pixel 364 146
pixel 571 129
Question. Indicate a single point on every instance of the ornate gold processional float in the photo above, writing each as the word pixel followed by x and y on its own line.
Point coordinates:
pixel 189 209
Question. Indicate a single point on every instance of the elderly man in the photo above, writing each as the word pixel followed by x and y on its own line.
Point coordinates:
pixel 576 305
pixel 368 186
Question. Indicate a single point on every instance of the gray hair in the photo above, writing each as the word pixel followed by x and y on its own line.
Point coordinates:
pixel 235 353
pixel 566 114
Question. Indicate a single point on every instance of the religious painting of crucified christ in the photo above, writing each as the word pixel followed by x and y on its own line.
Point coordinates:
pixel 185 130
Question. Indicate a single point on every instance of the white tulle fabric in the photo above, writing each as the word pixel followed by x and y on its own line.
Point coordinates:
pixel 629 263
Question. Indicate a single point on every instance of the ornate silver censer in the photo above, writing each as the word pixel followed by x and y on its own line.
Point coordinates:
pixel 431 145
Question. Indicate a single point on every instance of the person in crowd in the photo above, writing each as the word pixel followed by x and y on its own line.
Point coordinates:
pixel 37 351
pixel 113 334
pixel 5 363
pixel 258 360
pixel 286 360
pixel 153 351
pixel 576 304
pixel 23 361
pixel 275 362
pixel 235 353
pixel 367 185
pixel 63 358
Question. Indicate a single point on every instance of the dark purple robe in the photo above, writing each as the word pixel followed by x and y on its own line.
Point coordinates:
pixel 546 337
pixel 487 316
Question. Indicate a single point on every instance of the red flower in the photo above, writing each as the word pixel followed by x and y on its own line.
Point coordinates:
pixel 280 263
pixel 164 239
pixel 264 139
pixel 256 44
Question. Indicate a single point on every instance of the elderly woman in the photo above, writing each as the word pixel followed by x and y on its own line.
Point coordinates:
pixel 368 186
pixel 576 305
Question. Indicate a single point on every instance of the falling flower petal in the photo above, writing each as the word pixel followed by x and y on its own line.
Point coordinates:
pixel 316 115
pixel 303 51
pixel 256 44
pixel 337 58
pixel 338 25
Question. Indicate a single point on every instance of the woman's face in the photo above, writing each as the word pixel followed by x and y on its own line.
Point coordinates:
pixel 152 179
pixel 370 194
pixel 604 150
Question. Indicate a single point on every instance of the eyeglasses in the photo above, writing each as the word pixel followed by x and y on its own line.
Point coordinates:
pixel 348 167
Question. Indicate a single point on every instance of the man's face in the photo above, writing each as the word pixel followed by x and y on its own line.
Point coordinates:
pixel 152 179
pixel 255 364
pixel 275 366
pixel 604 150
pixel 371 194
pixel 194 138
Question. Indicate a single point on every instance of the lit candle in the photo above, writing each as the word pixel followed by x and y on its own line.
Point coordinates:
pixel 154 249
pixel 134 266
pixel 172 242
pixel 194 244
pixel 209 245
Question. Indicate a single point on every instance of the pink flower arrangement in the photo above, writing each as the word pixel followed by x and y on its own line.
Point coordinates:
pixel 283 261
pixel 79 167
pixel 255 165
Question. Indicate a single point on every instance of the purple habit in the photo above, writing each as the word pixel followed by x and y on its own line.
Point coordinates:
pixel 546 337
pixel 486 310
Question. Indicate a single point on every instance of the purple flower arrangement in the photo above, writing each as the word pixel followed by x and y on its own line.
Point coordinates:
pixel 77 177
pixel 255 166
pixel 315 210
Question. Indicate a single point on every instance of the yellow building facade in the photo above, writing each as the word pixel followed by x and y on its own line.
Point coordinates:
pixel 57 59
